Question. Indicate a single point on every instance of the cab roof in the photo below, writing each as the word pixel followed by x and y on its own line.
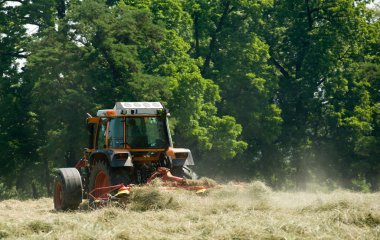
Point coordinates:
pixel 137 105
pixel 131 108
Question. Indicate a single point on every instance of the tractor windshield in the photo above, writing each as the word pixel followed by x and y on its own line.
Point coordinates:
pixel 146 132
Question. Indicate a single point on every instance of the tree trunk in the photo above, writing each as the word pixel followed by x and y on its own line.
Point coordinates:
pixel 214 36
pixel 196 34
pixel 47 177
pixel 61 9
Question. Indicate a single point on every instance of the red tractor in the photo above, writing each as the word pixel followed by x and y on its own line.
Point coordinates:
pixel 128 145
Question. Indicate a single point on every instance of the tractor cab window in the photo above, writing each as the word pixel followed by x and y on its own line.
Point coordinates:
pixel 101 143
pixel 116 133
pixel 146 132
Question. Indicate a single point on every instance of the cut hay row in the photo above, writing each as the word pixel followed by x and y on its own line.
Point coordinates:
pixel 231 211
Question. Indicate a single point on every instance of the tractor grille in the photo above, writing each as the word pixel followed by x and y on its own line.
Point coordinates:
pixel 146 156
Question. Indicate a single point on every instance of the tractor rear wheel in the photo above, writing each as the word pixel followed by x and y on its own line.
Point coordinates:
pixel 67 189
pixel 184 172
pixel 103 176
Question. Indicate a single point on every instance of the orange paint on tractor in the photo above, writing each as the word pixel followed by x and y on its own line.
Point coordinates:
pixel 111 113
pixel 170 152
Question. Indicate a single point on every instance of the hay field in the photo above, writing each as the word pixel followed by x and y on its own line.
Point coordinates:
pixel 250 211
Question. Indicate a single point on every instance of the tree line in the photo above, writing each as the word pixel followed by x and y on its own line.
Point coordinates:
pixel 286 91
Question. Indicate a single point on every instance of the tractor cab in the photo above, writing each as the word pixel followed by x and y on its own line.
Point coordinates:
pixel 137 129
pixel 133 125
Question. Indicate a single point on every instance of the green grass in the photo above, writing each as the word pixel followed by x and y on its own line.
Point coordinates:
pixel 231 211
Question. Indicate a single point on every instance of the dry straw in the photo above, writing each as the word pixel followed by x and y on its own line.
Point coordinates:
pixel 231 211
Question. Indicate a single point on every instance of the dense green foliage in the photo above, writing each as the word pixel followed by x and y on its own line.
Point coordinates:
pixel 286 91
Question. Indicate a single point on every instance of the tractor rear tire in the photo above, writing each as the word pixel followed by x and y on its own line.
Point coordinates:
pixel 68 189
pixel 189 173
pixel 102 175
pixel 184 172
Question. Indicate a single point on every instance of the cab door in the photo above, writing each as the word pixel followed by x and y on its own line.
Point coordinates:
pixel 92 128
